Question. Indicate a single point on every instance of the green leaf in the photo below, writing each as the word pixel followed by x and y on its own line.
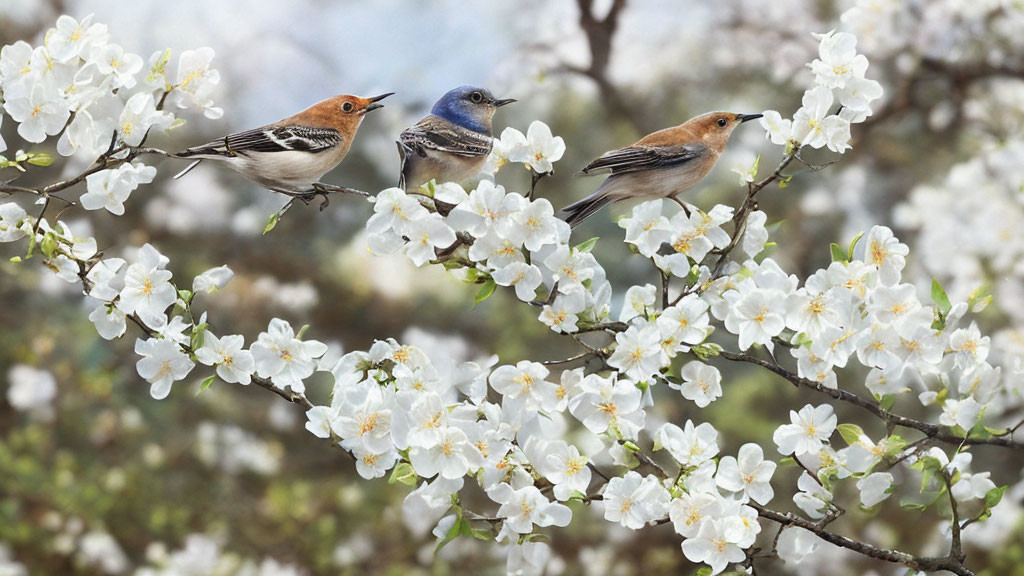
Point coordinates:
pixel 908 505
pixel 403 473
pixel 785 181
pixel 302 331
pixel 272 222
pixel 479 534
pixel 186 296
pixel 853 244
pixel 586 245
pixel 198 336
pixel 452 532
pixel 993 496
pixel 206 384
pixel 40 159
pixel 887 401
pixel 485 291
pixel 940 298
pixel 837 253
pixel 851 433
pixel 980 298
pixel 49 245
pixel 704 571
pixel 16 259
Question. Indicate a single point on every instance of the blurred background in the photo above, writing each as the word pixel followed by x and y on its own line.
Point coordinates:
pixel 98 478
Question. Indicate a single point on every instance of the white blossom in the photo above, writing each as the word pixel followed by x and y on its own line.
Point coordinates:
pixel 233 364
pixel 162 364
pixel 283 358
pixel 810 427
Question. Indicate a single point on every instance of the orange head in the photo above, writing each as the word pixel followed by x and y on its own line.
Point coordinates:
pixel 714 128
pixel 343 113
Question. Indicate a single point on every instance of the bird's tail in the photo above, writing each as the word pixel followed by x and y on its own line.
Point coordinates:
pixel 401 165
pixel 579 211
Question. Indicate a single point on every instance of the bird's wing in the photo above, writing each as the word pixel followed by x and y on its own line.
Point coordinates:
pixel 432 134
pixel 271 139
pixel 637 158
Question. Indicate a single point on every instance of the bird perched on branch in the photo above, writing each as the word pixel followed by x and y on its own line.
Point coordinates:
pixel 452 143
pixel 291 155
pixel 659 165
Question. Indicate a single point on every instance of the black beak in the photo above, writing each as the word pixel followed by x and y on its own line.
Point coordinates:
pixel 500 103
pixel 744 117
pixel 376 99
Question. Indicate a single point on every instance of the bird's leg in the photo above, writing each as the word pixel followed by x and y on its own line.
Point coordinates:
pixel 681 205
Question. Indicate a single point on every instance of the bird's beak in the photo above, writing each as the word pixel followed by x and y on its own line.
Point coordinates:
pixel 744 117
pixel 376 99
pixel 500 103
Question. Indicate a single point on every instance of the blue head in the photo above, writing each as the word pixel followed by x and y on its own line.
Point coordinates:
pixel 469 107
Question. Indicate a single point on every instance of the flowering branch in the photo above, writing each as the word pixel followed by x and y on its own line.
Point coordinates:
pixel 930 430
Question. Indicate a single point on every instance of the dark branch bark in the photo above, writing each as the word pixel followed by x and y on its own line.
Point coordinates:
pixel 930 430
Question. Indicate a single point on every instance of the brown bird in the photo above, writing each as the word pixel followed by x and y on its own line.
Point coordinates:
pixel 659 165
pixel 292 154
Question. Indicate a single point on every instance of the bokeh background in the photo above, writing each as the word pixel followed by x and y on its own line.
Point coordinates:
pixel 97 477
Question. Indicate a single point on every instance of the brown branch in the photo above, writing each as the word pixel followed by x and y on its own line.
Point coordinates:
pixel 895 556
pixel 931 430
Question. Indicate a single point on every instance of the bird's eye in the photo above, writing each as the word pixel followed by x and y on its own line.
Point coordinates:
pixel 347 106
pixel 476 97
pixel 722 122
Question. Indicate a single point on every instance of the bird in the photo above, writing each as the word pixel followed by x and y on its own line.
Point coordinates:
pixel 453 142
pixel 291 155
pixel 659 165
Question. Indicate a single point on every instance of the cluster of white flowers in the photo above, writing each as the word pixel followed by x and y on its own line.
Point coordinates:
pixel 509 240
pixel 77 74
pixel 839 80
pixel 538 150
pixel 507 428
pixel 973 241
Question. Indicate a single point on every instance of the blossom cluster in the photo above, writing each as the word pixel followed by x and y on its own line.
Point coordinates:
pixel 82 86
pixel 973 241
pixel 505 238
pixel 531 437
pixel 839 81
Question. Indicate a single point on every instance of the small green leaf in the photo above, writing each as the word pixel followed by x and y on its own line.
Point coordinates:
pixel 853 244
pixel 785 181
pixel 851 433
pixel 704 571
pixel 40 159
pixel 913 506
pixel 993 496
pixel 198 336
pixel 586 245
pixel 980 298
pixel 451 534
pixel 485 291
pixel 302 331
pixel 837 253
pixel 16 259
pixel 272 222
pixel 403 473
pixel 186 296
pixel 940 298
pixel 206 384
pixel 887 401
